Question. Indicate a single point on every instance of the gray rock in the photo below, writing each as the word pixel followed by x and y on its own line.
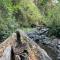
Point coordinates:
pixel 40 36
pixel 6 54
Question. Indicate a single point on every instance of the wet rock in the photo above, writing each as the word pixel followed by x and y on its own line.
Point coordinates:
pixel 40 37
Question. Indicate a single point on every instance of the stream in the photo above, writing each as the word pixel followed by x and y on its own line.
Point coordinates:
pixel 51 46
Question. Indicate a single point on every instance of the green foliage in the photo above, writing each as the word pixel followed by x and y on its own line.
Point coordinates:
pixel 7 21
pixel 23 13
pixel 17 12
pixel 6 28
pixel 42 2
pixel 51 13
pixel 53 20
pixel 42 5
pixel 28 12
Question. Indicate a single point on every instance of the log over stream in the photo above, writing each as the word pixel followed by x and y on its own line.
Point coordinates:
pixel 20 47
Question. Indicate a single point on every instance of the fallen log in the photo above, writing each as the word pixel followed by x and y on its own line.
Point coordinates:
pixel 20 47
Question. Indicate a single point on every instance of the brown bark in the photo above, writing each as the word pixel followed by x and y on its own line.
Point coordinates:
pixel 20 47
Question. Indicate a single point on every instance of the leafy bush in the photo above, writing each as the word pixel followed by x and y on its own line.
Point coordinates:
pixel 7 21
pixel 53 20
pixel 27 13
pixel 24 13
pixel 7 26
pixel 17 12
pixel 51 13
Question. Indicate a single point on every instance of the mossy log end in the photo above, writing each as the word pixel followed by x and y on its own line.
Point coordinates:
pixel 20 47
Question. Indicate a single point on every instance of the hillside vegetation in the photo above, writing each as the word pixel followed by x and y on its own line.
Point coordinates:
pixel 23 13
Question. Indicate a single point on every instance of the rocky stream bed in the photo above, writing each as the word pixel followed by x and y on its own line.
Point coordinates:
pixel 51 45
pixel 34 45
